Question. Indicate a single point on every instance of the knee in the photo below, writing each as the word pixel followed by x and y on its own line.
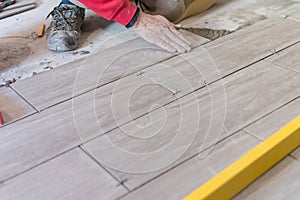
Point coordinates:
pixel 171 9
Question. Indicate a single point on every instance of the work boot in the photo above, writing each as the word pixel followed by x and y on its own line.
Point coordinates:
pixel 63 34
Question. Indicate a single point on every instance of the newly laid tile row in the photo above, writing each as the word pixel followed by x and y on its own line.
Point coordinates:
pixel 221 57
pixel 60 84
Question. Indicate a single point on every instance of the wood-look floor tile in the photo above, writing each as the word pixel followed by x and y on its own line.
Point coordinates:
pixel 70 176
pixel 35 139
pixel 12 106
pixel 270 124
pixel 280 182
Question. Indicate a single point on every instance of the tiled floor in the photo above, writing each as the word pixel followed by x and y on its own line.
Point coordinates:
pixel 135 122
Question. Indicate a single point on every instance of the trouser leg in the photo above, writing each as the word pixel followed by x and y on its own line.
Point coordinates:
pixel 171 9
pixel 77 3
pixel 175 10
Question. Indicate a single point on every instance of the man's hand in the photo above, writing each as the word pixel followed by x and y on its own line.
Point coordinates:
pixel 158 30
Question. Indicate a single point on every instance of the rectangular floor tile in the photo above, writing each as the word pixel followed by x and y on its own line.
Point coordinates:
pixel 288 58
pixel 281 182
pixel 184 179
pixel 70 176
pixel 35 139
pixel 186 124
pixel 12 106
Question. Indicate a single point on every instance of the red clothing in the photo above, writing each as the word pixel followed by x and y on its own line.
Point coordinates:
pixel 121 11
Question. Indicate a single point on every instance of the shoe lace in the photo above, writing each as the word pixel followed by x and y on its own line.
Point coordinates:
pixel 61 22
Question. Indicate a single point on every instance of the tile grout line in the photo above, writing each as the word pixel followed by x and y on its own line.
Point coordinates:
pixel 39 164
pixel 161 84
pixel 17 120
pixel 21 96
pixel 283 67
pixel 252 135
pixel 271 112
pixel 290 155
pixel 120 182
pixel 22 117
pixel 261 140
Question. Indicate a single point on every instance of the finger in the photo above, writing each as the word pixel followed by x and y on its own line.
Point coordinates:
pixel 165 45
pixel 171 42
pixel 180 35
pixel 176 42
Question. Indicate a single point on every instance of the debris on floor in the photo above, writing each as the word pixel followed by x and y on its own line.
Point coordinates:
pixel 9 8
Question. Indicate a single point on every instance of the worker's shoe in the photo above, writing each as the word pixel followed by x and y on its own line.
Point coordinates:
pixel 64 31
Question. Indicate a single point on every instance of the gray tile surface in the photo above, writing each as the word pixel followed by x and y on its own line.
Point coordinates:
pixel 288 58
pixel 247 98
pixel 279 183
pixel 72 176
pixel 35 139
pixel 270 124
pixel 12 106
